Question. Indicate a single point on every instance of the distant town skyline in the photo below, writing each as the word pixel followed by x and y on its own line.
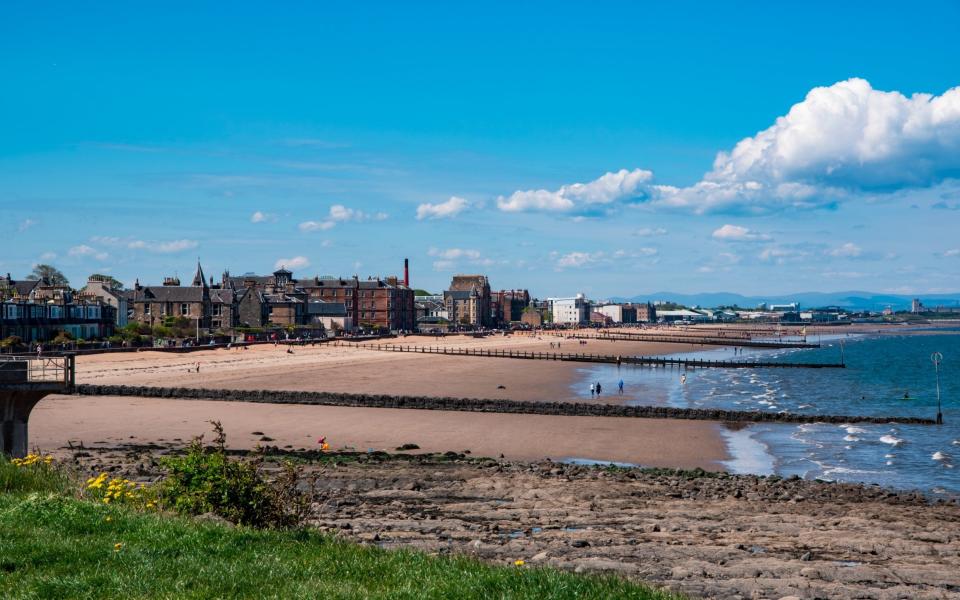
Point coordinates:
pixel 615 150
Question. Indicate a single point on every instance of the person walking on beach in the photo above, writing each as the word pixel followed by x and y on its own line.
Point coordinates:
pixel 598 389
pixel 593 389
pixel 620 386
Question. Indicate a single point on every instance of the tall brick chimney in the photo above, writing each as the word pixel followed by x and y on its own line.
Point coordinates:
pixel 406 272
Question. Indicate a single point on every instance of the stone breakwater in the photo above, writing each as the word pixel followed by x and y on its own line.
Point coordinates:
pixel 595 409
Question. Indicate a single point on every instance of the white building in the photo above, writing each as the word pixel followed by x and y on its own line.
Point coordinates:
pixel 614 311
pixel 570 311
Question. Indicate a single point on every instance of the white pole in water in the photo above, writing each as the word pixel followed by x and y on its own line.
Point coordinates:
pixel 937 358
pixel 841 352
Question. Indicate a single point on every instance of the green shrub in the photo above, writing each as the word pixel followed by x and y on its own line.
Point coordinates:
pixel 207 480
pixel 34 473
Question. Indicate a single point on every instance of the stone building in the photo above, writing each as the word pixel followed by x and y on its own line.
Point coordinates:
pixel 101 288
pixel 468 301
pixel 154 304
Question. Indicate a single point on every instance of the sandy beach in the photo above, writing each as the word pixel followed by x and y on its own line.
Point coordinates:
pixel 349 368
pixel 103 421
pixel 58 419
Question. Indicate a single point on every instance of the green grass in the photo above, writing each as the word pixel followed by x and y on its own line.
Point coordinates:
pixel 53 545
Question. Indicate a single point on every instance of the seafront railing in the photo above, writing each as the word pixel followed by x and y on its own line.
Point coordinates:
pixel 38 369
pixel 652 361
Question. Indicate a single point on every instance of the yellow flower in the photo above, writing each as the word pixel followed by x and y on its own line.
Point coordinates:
pixel 117 546
pixel 519 563
pixel 106 499
pixel 108 519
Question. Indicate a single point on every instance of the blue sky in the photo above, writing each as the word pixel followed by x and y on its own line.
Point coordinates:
pixel 339 140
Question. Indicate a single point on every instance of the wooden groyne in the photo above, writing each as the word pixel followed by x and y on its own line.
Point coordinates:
pixel 651 361
pixel 698 340
pixel 592 409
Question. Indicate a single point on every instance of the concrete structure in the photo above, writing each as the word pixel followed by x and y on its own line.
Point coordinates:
pixel 570 311
pixel 24 381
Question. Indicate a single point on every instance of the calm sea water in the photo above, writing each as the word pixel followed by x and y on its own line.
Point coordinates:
pixel 880 371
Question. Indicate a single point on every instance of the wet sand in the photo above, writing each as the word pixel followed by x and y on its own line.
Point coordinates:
pixel 102 421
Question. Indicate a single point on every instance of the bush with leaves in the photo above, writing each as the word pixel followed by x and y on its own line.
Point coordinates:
pixel 207 480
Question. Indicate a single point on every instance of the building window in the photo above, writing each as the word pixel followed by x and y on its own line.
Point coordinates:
pixel 146 309
pixel 184 309
pixel 218 309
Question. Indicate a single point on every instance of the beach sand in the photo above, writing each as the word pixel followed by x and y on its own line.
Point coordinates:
pixel 349 368
pixel 103 421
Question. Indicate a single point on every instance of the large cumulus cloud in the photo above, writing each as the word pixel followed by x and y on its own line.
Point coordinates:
pixel 842 141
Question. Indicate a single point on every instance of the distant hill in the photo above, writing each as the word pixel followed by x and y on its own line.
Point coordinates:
pixel 854 300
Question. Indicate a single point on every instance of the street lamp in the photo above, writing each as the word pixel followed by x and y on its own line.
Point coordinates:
pixel 937 358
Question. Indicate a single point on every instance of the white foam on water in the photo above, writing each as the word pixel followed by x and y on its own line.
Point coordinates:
pixel 851 429
pixel 850 438
pixel 941 456
pixel 748 455
pixel 893 441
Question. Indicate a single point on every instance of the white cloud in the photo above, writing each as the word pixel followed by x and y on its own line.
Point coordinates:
pixel 610 188
pixel 736 233
pixel 454 253
pixel 578 259
pixel 163 247
pixel 25 225
pixel 341 214
pixel 781 255
pixel 443 265
pixel 262 217
pixel 950 253
pixel 650 232
pixel 84 250
pixel 48 256
pixel 443 210
pixel 316 225
pixel 848 250
pixel 841 140
pixel 297 262
pixel 636 253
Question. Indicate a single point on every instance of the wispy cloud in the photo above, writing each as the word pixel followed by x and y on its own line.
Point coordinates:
pixel 85 250
pixel 293 263
pixel 160 247
pixel 263 217
pixel 25 225
pixel 443 210
pixel 736 233
pixel 848 250
pixel 339 213
pixel 650 231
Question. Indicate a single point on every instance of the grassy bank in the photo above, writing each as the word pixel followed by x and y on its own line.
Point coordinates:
pixel 56 545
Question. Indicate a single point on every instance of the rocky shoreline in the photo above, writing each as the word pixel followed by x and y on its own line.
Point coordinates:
pixel 705 534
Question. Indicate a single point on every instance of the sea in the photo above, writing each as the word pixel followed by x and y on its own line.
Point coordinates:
pixel 885 375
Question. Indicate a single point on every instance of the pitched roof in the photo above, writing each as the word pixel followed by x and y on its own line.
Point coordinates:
pixel 198 279
pixel 171 293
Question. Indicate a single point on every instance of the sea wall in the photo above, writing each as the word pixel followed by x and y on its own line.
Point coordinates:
pixel 594 409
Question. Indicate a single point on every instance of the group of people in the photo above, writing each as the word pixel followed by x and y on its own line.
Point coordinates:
pixel 596 389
